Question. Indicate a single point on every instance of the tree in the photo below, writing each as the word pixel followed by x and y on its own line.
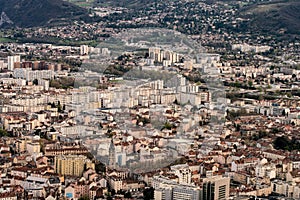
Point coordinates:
pixel 113 192
pixel 59 107
pixel 128 195
pixel 262 134
pixel 99 167
pixel 238 127
pixel 84 198
pixel 176 102
pixel 168 126
pixel 35 82
pixel 148 193
pixel 260 89
pixel 286 144
pixel 250 83
pixel 3 133
pixel 281 142
pixel 90 156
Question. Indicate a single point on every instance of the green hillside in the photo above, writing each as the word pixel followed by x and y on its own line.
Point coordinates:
pixel 28 13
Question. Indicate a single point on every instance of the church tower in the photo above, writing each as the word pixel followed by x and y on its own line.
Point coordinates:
pixel 112 155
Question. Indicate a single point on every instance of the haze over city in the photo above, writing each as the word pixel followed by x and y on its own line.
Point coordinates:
pixel 149 99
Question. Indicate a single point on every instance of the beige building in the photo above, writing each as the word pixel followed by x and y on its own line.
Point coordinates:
pixel 73 165
pixel 116 183
pixel 33 147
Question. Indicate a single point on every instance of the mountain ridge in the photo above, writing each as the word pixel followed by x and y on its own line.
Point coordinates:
pixel 32 13
pixel 275 17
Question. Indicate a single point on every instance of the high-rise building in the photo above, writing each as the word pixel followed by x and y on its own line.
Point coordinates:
pixel 30 75
pixel 216 188
pixel 156 54
pixel 11 60
pixel 84 49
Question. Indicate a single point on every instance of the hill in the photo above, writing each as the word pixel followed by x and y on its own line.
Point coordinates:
pixel 31 13
pixel 132 4
pixel 83 3
pixel 273 17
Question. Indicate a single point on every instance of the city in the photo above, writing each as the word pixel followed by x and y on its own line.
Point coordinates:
pixel 156 103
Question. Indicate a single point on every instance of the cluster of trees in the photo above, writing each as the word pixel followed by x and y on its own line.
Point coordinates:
pixel 234 114
pixel 148 193
pixel 195 77
pixel 149 74
pixel 261 134
pixel 118 70
pixel 64 82
pixel 248 85
pixel 285 143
